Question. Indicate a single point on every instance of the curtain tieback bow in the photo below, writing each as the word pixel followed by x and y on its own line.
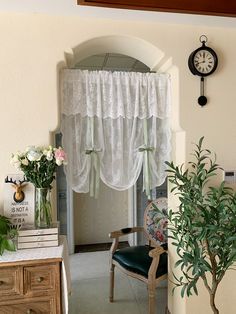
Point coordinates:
pixel 146 168
pixel 94 171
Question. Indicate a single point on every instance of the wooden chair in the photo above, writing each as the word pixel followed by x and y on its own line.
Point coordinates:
pixel 147 263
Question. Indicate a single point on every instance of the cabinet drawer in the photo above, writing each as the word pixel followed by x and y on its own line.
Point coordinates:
pixel 10 281
pixel 39 278
pixel 30 307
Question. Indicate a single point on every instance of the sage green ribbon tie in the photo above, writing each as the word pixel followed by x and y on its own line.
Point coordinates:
pixel 94 172
pixel 146 168
pixel 146 165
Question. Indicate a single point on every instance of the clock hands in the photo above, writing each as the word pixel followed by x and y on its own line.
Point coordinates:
pixel 199 62
pixel 203 62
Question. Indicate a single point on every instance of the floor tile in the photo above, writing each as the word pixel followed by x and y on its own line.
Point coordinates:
pixel 90 288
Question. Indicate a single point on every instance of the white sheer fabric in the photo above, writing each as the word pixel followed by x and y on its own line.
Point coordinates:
pixel 104 113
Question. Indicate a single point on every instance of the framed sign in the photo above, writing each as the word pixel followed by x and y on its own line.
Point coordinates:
pixel 19 200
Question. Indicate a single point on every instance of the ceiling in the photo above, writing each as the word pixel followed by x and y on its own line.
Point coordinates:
pixel 112 62
pixel 70 7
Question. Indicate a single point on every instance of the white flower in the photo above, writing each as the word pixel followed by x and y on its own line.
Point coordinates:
pixel 39 163
pixel 34 155
pixel 25 162
pixel 49 155
pixel 18 165
pixel 14 159
pixel 59 162
pixel 29 148
pixel 48 152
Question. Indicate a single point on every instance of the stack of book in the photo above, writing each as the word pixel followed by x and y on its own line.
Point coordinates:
pixel 37 238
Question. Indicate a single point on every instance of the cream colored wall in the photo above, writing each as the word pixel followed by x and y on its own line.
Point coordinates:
pixel 33 46
pixel 94 219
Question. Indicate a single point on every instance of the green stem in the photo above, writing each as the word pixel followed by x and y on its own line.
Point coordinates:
pixel 43 208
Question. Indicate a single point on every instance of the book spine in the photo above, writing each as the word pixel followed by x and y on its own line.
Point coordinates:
pixel 37 238
pixel 37 232
pixel 41 244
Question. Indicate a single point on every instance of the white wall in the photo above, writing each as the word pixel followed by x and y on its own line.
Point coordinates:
pixel 32 49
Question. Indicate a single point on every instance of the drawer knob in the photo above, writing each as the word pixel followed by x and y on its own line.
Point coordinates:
pixel 1 282
pixel 40 279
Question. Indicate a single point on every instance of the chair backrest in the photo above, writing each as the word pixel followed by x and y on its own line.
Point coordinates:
pixel 155 221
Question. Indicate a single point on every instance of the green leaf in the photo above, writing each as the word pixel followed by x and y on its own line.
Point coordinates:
pixel 4 225
pixel 7 234
pixel 203 227
pixel 231 239
pixel 9 245
pixel 178 263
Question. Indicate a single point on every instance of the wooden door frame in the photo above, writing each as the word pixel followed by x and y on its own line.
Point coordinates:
pixel 205 7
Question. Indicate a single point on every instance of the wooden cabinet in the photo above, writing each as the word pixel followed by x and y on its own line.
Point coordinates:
pixel 10 282
pixel 29 307
pixel 31 287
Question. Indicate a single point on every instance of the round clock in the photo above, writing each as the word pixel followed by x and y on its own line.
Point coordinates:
pixel 203 61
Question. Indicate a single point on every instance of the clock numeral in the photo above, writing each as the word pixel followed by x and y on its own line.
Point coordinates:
pixel 203 61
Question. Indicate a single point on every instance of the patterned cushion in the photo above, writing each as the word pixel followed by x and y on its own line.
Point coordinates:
pixel 155 221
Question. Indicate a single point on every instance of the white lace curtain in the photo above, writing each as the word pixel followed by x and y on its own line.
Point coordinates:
pixel 113 124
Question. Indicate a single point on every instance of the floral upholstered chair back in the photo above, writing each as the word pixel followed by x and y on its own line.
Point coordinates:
pixel 155 221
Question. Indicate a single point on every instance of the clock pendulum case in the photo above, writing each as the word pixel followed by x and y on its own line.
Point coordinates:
pixel 203 62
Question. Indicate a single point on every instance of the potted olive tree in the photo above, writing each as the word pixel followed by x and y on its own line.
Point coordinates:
pixel 203 229
pixel 7 235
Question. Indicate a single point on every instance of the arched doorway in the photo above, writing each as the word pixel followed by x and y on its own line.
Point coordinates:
pixel 147 57
pixel 152 57
pixel 111 210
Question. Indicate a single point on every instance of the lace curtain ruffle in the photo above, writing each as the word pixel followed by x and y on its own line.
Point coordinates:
pixel 103 117
pixel 115 94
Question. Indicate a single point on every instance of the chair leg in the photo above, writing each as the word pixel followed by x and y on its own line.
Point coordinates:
pixel 112 282
pixel 151 299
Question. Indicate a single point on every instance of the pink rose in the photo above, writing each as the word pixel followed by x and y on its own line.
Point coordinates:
pixel 60 156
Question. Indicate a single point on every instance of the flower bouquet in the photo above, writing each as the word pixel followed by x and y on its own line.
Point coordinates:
pixel 39 166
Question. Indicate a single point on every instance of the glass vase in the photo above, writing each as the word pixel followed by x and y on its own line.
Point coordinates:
pixel 43 208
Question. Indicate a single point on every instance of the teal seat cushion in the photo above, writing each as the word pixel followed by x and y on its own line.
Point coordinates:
pixel 137 260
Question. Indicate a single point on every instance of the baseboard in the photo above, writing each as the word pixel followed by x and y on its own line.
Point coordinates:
pixel 97 247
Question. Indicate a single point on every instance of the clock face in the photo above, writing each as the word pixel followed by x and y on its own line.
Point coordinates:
pixel 204 62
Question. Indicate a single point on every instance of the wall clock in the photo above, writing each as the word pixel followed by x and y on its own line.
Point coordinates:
pixel 203 62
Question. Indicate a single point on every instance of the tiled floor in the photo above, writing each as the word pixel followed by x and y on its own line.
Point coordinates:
pixel 90 288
